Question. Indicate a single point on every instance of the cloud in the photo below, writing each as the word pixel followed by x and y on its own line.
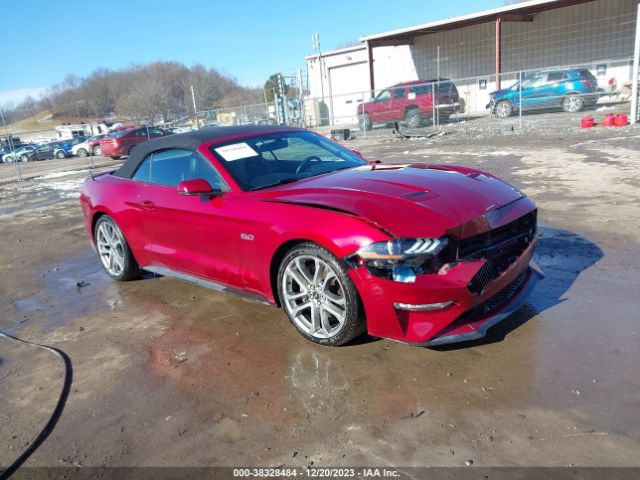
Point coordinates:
pixel 17 95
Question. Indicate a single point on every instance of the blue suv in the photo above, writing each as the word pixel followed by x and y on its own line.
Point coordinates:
pixel 570 90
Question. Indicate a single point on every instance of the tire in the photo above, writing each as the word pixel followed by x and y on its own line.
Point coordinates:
pixel 130 150
pixel 504 109
pixel 113 250
pixel 412 118
pixel 60 154
pixel 329 296
pixel 24 158
pixel 116 157
pixel 364 121
pixel 96 150
pixel 572 103
pixel 82 152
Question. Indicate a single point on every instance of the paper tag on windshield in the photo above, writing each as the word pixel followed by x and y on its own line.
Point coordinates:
pixel 236 151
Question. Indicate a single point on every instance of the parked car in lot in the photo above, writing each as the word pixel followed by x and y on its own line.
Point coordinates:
pixel 88 147
pixel 21 154
pixel 180 129
pixel 62 148
pixel 122 142
pixel 411 102
pixel 42 152
pixel 570 90
pixel 289 218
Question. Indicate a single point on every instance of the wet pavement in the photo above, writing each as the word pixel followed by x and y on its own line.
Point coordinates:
pixel 167 373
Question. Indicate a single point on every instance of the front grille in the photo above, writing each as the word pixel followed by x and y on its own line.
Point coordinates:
pixel 499 248
pixel 496 301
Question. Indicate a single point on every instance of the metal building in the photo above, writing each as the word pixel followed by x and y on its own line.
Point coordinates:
pixel 481 52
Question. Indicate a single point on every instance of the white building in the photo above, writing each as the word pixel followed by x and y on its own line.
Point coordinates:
pixel 67 132
pixel 480 52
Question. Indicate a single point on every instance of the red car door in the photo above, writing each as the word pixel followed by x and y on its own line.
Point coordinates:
pixel 190 234
pixel 381 108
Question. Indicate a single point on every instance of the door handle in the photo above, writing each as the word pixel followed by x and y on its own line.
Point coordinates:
pixel 148 205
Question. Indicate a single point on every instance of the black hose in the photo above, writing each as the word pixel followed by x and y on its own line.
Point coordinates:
pixel 57 412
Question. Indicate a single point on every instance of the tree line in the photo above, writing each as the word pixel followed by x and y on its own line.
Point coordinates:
pixel 143 93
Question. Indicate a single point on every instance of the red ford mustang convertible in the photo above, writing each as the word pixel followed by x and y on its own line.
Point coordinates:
pixel 423 254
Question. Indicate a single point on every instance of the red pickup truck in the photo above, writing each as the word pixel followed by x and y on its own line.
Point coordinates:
pixel 411 102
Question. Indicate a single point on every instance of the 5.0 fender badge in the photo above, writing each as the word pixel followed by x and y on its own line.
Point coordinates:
pixel 246 236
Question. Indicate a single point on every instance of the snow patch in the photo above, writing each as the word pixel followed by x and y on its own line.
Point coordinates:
pixel 60 174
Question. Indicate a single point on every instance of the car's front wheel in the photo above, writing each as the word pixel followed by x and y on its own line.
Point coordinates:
pixel 24 158
pixel 504 109
pixel 60 154
pixel 364 120
pixel 115 255
pixel 319 297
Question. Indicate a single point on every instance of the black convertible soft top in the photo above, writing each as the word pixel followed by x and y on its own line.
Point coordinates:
pixel 189 141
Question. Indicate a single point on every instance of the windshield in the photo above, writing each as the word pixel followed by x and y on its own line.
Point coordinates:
pixel 118 133
pixel 273 159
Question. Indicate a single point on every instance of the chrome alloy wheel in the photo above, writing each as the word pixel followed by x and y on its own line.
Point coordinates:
pixel 503 110
pixel 573 104
pixel 110 248
pixel 314 296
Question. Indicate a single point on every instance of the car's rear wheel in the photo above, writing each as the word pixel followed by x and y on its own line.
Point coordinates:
pixel 319 297
pixel 96 150
pixel 412 118
pixel 82 152
pixel 60 154
pixel 24 158
pixel 364 120
pixel 572 103
pixel 130 150
pixel 504 109
pixel 115 255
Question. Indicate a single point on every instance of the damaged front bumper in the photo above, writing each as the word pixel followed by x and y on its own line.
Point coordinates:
pixel 449 311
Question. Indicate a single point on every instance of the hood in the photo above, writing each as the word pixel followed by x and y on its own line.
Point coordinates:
pixel 413 200
pixel 500 93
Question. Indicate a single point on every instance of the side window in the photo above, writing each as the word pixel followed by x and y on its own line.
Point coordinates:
pixel 143 173
pixel 170 167
pixel 554 77
pixel 383 96
pixel 399 93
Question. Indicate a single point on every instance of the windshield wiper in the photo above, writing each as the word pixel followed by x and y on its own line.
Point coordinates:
pixel 279 182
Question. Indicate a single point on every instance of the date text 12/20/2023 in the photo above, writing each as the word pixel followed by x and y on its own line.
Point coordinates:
pixel 315 472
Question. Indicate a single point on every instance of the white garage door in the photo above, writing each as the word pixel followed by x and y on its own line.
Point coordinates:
pixel 349 85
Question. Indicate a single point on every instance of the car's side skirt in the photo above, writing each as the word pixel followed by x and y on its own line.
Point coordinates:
pixel 210 284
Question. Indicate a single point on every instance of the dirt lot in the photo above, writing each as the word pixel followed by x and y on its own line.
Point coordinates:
pixel 166 373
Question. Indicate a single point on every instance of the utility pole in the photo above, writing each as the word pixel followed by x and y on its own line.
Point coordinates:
pixel 303 120
pixel 315 41
pixel 13 152
pixel 195 110
pixel 283 98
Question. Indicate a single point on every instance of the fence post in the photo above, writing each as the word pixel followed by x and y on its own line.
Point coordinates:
pixel 520 96
pixel 433 104
pixel 634 78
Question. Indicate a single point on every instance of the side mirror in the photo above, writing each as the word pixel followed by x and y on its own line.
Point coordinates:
pixel 197 186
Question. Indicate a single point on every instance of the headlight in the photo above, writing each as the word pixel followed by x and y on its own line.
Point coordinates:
pixel 401 259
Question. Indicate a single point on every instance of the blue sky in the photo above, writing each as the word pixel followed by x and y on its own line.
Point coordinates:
pixel 248 39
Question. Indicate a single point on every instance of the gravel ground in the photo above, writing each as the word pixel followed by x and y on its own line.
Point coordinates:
pixel 167 373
